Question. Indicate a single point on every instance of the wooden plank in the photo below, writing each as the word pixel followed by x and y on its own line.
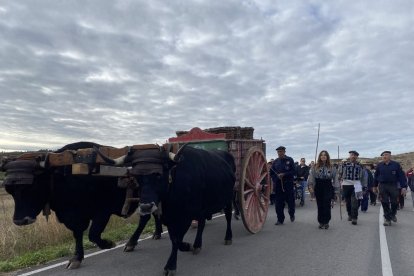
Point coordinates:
pixel 80 168
pixel 32 156
pixel 145 146
pixel 61 159
pixel 111 171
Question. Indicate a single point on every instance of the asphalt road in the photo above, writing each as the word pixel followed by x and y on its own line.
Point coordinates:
pixel 297 248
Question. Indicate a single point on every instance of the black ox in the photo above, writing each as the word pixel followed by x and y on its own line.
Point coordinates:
pixel 193 185
pixel 77 200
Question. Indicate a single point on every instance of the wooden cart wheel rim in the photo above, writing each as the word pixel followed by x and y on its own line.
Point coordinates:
pixel 254 192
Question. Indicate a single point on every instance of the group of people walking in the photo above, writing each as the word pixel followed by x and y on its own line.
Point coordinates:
pixel 349 180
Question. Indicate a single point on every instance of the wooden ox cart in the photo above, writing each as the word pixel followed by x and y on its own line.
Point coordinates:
pixel 253 184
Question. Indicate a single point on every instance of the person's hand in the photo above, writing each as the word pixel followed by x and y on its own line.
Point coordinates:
pixel 280 175
pixel 375 190
pixel 403 191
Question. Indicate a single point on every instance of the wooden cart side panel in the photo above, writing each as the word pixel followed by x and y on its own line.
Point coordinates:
pixel 239 149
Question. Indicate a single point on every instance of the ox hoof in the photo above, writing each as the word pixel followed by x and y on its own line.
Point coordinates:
pixel 156 236
pixel 106 244
pixel 228 242
pixel 129 248
pixel 196 250
pixel 168 272
pixel 73 264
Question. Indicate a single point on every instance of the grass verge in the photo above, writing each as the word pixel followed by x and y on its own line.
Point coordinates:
pixel 117 230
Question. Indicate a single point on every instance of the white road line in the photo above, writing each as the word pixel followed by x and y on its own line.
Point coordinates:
pixel 385 255
pixel 90 255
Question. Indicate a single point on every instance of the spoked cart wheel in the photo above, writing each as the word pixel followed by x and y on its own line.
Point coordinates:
pixel 254 192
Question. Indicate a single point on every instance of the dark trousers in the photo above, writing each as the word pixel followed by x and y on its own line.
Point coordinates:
pixel 284 196
pixel 372 196
pixel 324 194
pixel 364 201
pixel 352 203
pixel 389 199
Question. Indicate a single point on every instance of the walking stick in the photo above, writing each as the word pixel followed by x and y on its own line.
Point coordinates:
pixel 281 180
pixel 340 190
pixel 317 142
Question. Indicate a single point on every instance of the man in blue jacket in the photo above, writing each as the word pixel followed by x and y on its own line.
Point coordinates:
pixel 282 173
pixel 389 177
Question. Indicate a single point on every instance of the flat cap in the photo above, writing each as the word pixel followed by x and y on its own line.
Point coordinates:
pixel 281 148
pixel 354 152
pixel 386 151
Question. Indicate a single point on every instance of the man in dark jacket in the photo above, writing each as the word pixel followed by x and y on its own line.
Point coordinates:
pixel 282 173
pixel 389 177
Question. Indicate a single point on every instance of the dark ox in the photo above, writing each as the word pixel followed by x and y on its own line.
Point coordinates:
pixel 193 186
pixel 77 200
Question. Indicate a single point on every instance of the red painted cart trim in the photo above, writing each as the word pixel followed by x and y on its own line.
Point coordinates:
pixel 197 134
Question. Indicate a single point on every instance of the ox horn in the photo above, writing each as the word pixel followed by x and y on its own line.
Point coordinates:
pixel 171 155
pixel 117 162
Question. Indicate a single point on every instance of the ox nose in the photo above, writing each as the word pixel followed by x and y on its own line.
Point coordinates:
pixel 24 221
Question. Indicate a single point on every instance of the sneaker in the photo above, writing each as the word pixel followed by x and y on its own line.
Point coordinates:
pixel 394 219
pixel 292 218
pixel 321 226
pixel 278 223
pixel 349 218
pixel 387 223
pixel 326 226
pixel 354 222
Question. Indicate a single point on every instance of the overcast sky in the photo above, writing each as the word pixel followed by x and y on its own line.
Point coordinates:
pixel 130 72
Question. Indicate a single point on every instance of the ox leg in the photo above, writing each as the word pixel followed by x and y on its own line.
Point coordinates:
pixel 198 242
pixel 176 237
pixel 133 241
pixel 97 227
pixel 158 227
pixel 229 234
pixel 76 260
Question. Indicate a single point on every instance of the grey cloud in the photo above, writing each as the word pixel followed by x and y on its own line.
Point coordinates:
pixel 128 72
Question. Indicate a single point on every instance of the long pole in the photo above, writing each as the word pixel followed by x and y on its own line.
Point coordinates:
pixel 340 190
pixel 317 142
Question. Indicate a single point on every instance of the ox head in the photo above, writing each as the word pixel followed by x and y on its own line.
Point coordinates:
pixel 26 182
pixel 150 167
